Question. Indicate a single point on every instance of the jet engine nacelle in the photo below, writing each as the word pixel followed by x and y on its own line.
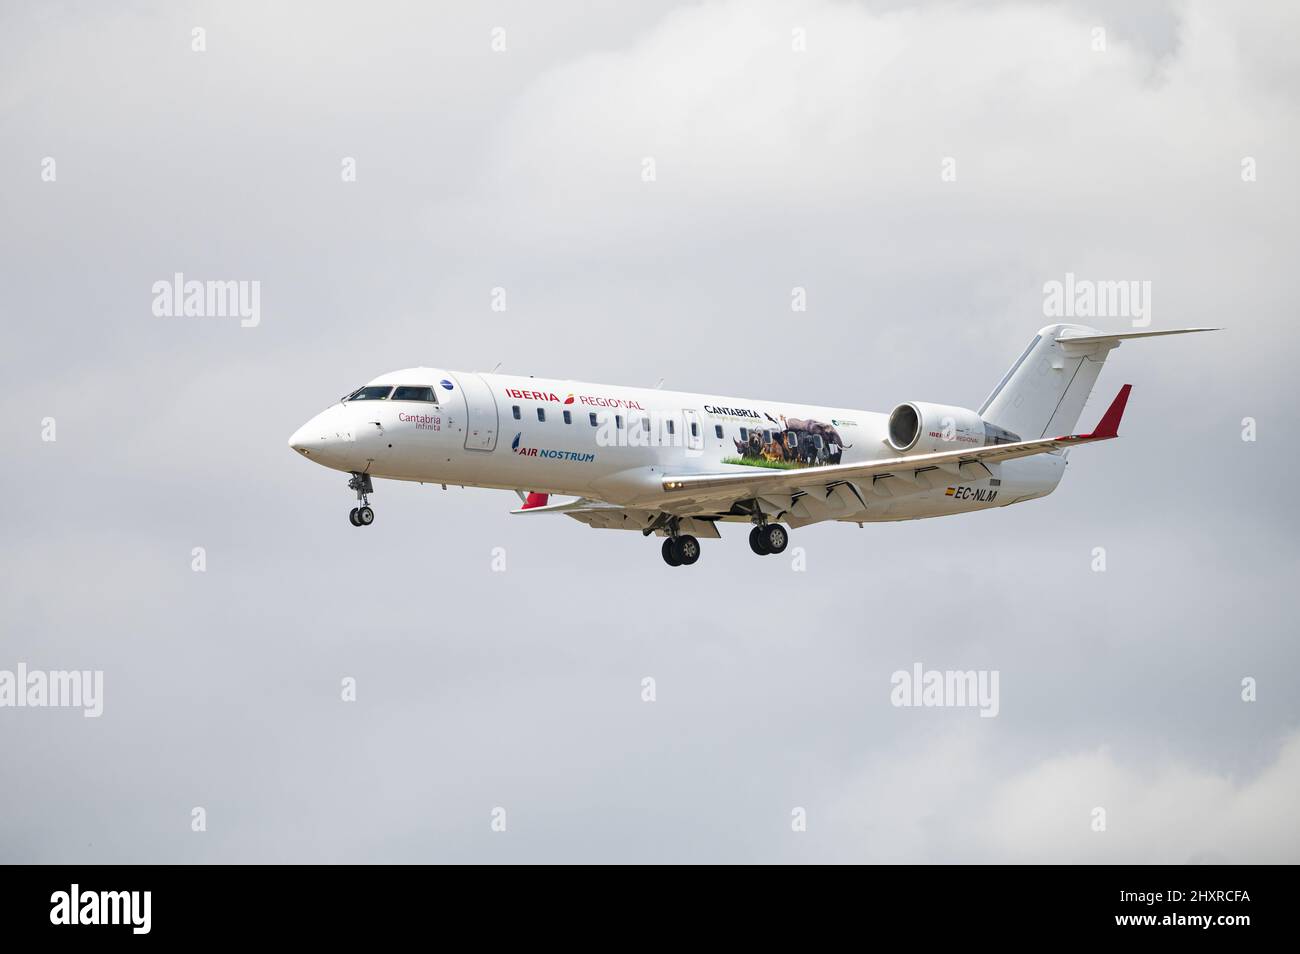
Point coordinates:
pixel 928 428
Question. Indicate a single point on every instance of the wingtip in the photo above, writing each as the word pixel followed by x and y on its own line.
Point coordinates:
pixel 1108 426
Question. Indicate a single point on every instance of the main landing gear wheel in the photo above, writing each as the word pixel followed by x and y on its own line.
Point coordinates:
pixel 768 539
pixel 352 518
pixel 365 516
pixel 774 537
pixel 670 553
pixel 687 549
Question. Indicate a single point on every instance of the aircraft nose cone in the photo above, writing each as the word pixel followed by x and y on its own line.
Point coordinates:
pixel 326 439
pixel 299 441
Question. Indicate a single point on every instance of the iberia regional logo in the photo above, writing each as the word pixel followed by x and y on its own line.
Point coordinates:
pixel 540 396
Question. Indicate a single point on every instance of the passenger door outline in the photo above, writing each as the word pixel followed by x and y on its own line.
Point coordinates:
pixel 482 418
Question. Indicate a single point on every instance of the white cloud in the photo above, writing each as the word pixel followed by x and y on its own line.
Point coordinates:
pixel 955 798
pixel 742 128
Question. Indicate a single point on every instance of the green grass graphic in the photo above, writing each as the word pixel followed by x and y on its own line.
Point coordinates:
pixel 763 462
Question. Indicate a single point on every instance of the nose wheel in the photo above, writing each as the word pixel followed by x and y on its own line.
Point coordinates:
pixel 361 516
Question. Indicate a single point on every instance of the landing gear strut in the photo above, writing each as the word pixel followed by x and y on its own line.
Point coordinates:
pixel 361 516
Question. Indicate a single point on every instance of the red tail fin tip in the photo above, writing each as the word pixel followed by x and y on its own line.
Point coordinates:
pixel 1108 426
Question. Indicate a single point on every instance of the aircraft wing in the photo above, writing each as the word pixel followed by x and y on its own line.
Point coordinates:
pixel 541 503
pixel 907 473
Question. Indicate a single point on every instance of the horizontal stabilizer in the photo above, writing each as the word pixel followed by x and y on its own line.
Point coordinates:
pixel 1099 339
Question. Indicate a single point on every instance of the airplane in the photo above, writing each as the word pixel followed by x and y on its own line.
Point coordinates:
pixel 676 465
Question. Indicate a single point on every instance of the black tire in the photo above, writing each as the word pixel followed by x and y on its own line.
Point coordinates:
pixel 756 541
pixel 670 553
pixel 366 516
pixel 352 518
pixel 687 549
pixel 775 537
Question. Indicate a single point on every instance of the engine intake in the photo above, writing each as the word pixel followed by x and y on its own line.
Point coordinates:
pixel 930 428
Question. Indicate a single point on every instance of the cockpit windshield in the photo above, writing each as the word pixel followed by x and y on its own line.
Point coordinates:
pixel 386 392
pixel 414 393
pixel 372 392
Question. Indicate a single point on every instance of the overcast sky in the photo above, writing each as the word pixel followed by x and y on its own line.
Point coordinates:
pixel 522 169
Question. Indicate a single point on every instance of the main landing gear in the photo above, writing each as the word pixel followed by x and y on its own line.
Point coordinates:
pixel 361 516
pixel 768 538
pixel 681 551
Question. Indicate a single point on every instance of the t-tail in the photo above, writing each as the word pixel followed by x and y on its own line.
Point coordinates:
pixel 1044 392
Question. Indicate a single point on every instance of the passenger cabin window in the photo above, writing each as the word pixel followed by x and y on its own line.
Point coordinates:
pixel 371 392
pixel 593 418
pixel 695 429
pixel 541 414
pixel 744 435
pixel 671 428
pixel 717 430
pixel 411 393
pixel 515 410
pixel 568 418
pixel 618 421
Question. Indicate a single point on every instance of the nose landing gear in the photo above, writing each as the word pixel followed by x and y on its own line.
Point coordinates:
pixel 361 516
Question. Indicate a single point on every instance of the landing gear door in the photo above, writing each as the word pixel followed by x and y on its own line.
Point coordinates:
pixel 481 421
pixel 694 432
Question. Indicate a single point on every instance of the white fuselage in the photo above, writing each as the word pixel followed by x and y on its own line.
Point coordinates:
pixel 616 444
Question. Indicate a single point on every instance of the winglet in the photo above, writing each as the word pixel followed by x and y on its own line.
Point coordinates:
pixel 534 501
pixel 1109 424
